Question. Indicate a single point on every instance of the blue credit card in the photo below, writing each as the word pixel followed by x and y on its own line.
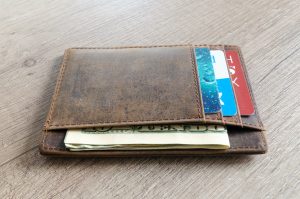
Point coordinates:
pixel 226 94
pixel 208 84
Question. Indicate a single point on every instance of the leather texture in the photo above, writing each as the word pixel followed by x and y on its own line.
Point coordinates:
pixel 104 87
pixel 134 86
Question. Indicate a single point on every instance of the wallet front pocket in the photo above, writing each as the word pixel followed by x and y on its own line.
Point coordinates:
pixel 133 86
pixel 126 86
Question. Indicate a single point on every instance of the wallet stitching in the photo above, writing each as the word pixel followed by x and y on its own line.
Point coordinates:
pixel 167 119
pixel 156 46
pixel 52 148
pixel 250 89
pixel 58 86
pixel 128 122
pixel 236 118
pixel 124 47
pixel 196 85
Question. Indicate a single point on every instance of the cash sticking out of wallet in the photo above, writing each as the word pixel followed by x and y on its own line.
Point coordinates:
pixel 148 138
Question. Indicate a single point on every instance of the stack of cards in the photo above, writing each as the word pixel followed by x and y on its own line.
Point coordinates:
pixel 223 83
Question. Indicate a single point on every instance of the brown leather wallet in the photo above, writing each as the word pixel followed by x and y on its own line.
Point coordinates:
pixel 139 85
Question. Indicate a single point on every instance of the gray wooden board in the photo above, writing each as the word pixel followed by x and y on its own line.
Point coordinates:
pixel 33 36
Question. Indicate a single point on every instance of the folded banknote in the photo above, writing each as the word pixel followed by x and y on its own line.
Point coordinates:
pixel 148 137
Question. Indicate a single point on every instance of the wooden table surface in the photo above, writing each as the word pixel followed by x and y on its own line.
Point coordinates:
pixel 33 36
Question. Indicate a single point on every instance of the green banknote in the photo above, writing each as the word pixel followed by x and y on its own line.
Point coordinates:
pixel 148 137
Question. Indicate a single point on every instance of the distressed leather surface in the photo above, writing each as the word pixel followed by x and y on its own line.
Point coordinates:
pixel 104 87
pixel 138 85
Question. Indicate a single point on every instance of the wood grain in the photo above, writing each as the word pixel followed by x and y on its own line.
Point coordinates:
pixel 33 36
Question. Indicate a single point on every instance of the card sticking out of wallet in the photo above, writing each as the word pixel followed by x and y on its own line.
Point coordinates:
pixel 239 82
pixel 226 94
pixel 207 80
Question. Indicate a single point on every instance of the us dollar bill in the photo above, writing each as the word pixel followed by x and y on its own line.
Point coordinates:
pixel 148 137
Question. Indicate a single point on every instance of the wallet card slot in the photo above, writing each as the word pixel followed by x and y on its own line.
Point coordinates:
pixel 197 81
pixel 214 118
pixel 242 141
pixel 236 119
pixel 250 121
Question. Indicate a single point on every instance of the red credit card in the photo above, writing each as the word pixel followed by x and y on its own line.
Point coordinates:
pixel 239 83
